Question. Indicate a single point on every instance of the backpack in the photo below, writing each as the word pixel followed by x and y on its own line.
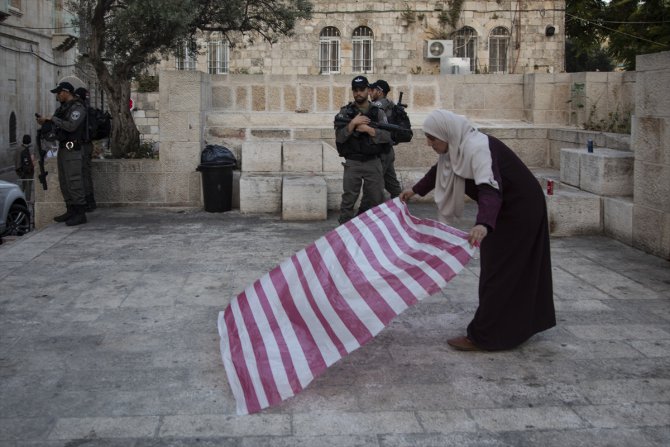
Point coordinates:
pixel 26 168
pixel 399 118
pixel 99 124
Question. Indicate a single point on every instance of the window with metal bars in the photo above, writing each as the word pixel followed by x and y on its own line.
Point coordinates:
pixel 217 57
pixel 465 45
pixel 362 40
pixel 498 45
pixel 329 50
pixel 186 59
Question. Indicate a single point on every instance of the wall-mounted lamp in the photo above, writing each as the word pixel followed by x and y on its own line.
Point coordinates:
pixel 550 30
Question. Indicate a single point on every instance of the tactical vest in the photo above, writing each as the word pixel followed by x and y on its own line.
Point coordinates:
pixel 63 112
pixel 360 146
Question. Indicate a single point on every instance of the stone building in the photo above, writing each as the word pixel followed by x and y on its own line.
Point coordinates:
pixel 399 37
pixel 36 50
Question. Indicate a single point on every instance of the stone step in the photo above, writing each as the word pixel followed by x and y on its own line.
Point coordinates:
pixel 543 175
pixel 572 211
pixel 606 172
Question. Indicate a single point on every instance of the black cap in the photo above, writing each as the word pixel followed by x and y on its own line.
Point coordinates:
pixel 63 86
pixel 360 81
pixel 27 139
pixel 81 92
pixel 381 85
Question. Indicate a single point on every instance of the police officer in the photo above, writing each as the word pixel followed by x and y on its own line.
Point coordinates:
pixel 378 91
pixel 87 153
pixel 361 145
pixel 70 121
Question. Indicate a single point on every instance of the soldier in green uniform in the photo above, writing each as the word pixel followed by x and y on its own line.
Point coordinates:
pixel 70 121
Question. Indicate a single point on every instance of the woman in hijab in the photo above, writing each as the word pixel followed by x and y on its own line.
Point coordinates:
pixel 511 228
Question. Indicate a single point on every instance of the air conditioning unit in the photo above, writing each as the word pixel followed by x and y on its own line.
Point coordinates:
pixel 439 48
pixel 455 65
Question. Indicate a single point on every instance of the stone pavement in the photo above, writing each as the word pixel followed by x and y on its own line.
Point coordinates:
pixel 108 337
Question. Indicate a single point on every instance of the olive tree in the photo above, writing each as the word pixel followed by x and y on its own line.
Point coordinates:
pixel 124 37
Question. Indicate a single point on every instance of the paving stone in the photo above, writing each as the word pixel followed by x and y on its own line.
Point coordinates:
pixel 108 338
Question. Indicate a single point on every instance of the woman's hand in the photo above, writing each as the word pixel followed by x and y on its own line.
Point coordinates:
pixel 406 195
pixel 477 233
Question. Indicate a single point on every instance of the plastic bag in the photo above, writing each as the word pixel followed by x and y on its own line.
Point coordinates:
pixel 214 153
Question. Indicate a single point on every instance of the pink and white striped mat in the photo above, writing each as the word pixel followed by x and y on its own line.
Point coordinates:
pixel 332 297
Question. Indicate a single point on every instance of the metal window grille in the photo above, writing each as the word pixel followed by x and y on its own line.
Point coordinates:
pixel 186 59
pixel 329 50
pixel 217 57
pixel 498 45
pixel 362 40
pixel 465 45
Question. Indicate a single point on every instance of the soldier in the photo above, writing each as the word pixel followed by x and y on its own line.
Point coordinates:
pixel 70 121
pixel 361 145
pixel 87 153
pixel 378 92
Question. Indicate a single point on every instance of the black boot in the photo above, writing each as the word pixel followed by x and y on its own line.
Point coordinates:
pixel 65 216
pixel 79 216
pixel 90 203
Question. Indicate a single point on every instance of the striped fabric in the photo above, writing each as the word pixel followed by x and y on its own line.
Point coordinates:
pixel 332 297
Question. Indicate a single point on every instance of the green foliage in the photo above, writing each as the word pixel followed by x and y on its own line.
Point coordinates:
pixel 450 17
pixel 615 122
pixel 125 37
pixel 582 18
pixel 408 14
pixel 145 149
pixel 646 29
pixel 147 83
pixel 593 59
pixel 622 29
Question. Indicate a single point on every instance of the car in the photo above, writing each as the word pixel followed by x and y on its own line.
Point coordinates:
pixel 15 213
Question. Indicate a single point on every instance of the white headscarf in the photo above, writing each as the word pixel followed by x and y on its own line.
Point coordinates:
pixel 468 157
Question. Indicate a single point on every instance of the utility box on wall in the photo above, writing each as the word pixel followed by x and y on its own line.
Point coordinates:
pixel 455 65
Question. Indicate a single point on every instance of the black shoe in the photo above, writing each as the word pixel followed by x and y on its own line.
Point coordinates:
pixel 90 204
pixel 65 216
pixel 79 216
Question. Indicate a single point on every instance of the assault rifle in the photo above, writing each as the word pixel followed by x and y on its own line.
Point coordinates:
pixel 399 103
pixel 42 154
pixel 342 121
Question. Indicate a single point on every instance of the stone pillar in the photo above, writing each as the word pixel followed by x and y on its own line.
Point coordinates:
pixel 184 101
pixel 650 140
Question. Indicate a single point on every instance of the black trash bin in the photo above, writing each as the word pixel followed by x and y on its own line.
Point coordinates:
pixel 217 186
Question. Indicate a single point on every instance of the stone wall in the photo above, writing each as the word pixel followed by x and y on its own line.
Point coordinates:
pixel 145 114
pixel 400 39
pixel 650 140
pixel 32 60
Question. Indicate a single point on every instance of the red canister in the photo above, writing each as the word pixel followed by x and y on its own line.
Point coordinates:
pixel 550 187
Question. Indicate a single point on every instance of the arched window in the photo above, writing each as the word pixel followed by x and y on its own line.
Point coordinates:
pixel 329 50
pixel 498 44
pixel 362 43
pixel 465 45
pixel 12 128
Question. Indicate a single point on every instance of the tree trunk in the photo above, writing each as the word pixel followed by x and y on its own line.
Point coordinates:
pixel 125 137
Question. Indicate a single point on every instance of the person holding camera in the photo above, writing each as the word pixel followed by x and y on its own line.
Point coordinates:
pixel 70 121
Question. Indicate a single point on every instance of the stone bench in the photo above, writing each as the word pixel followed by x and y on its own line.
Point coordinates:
pixel 606 172
pixel 304 198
